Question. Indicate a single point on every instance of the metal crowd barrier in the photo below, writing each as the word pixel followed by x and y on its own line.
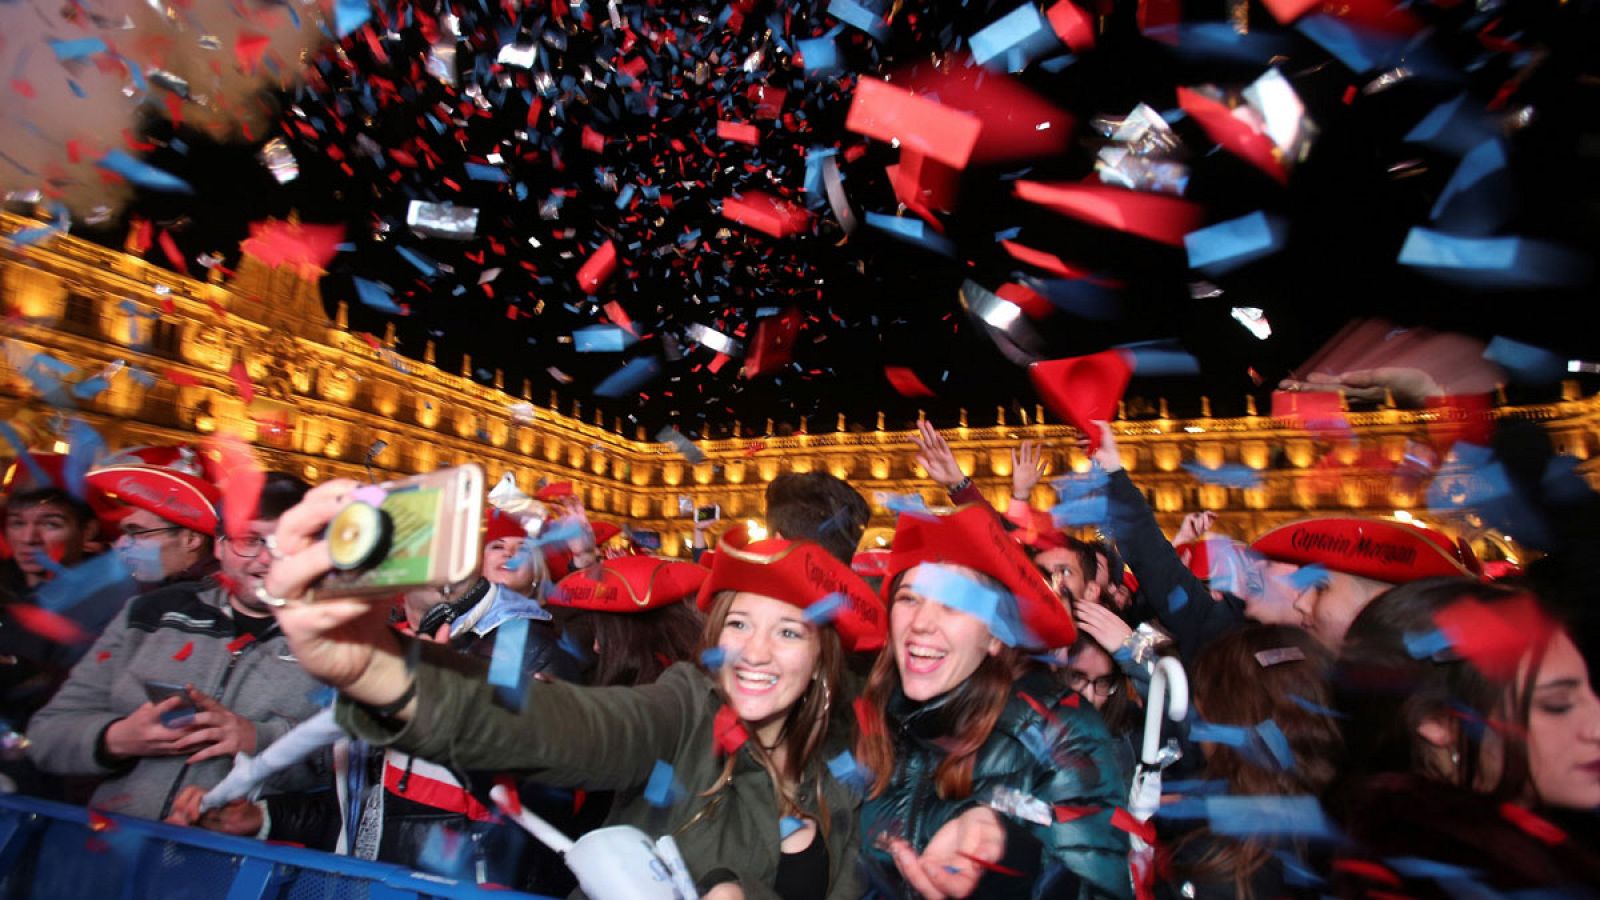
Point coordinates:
pixel 52 850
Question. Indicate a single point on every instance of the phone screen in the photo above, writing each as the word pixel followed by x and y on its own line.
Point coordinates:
pixel 707 513
pixel 414 512
pixel 647 540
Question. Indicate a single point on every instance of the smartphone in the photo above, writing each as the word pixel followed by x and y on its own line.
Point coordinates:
pixel 646 540
pixel 432 524
pixel 176 717
pixel 710 513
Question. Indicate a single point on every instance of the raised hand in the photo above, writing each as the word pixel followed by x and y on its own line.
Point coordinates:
pixel 1027 468
pixel 936 457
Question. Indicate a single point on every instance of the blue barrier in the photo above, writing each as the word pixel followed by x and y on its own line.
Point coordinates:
pixel 51 850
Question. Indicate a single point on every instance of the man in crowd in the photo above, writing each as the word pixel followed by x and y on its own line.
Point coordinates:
pixel 190 673
pixel 47 618
pixel 169 528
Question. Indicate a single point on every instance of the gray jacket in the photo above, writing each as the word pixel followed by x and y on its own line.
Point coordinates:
pixel 183 634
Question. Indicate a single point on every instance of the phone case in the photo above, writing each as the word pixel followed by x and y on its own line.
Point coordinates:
pixel 434 522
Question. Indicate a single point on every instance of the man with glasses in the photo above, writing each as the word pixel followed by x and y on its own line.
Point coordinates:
pixel 190 673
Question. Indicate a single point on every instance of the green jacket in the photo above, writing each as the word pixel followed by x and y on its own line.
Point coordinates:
pixel 611 738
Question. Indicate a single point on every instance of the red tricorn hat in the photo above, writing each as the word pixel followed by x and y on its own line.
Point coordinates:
pixel 800 574
pixel 630 584
pixel 499 525
pixel 973 536
pixel 1380 549
pixel 166 481
pixel 872 563
pixel 558 558
pixel 554 490
pixel 1083 389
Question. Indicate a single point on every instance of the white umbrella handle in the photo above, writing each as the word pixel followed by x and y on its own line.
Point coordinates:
pixel 548 834
pixel 1169 688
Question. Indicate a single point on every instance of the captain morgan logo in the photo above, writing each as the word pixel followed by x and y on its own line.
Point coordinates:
pixel 1361 545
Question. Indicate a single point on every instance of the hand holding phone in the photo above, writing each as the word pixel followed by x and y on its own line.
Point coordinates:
pixel 173 715
pixel 705 515
pixel 415 532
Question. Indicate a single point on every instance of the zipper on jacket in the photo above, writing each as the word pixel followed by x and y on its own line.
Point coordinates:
pixel 222 686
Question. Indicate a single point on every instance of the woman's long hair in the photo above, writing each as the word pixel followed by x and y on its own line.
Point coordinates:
pixel 1386 690
pixel 805 729
pixel 633 648
pixel 1248 676
pixel 975 705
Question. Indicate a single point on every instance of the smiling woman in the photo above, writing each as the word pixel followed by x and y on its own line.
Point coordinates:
pixel 761 812
pixel 976 752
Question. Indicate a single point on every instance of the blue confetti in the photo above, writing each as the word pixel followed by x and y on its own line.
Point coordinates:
pixel 1426 644
pixel 1177 599
pixel 506 671
pixel 912 231
pixel 1477 198
pixel 445 851
pixel 1221 248
pixel 848 772
pixel 89 388
pixel 87 448
pixel 601 339
pixel 820 55
pixel 996 609
pixel 1014 40
pixel 376 296
pixel 1308 576
pixel 713 658
pixel 1203 732
pixel 481 172
pixel 1315 708
pixel 1525 362
pixel 1091 510
pixel 143 174
pixel 663 789
pixel 75 584
pixel 421 263
pixel 1491 262
pixel 635 374
pixel 823 611
pixel 1230 475
pixel 350 15
pixel 1160 358
pixel 1455 126
pixel 789 825
pixel 1268 816
pixel 35 471
pixel 78 48
pixel 1277 744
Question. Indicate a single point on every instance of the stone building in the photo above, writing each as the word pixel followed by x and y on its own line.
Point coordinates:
pixel 255 355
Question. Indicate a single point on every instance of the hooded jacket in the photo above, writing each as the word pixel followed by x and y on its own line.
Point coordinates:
pixel 612 738
pixel 182 633
pixel 1049 749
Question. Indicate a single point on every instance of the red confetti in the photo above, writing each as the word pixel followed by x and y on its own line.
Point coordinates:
pixel 1369 870
pixel 889 113
pixel 989 866
pixel 767 214
pixel 1153 216
pixel 1234 134
pixel 513 798
pixel 169 248
pixel 1124 821
pixel 51 626
pixel 773 346
pixel 906 382
pixel 242 382
pixel 102 656
pixel 1539 828
pixel 1072 25
pixel 184 652
pixel 248 49
pixel 739 131
pixel 306 248
pixel 1073 813
pixel 239 475
pixel 729 732
pixel 598 268
pixel 241 642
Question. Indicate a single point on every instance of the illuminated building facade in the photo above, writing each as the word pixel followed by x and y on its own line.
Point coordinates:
pixel 320 398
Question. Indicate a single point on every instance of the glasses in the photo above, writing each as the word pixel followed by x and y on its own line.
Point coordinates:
pixel 1104 686
pixel 246 546
pixel 139 534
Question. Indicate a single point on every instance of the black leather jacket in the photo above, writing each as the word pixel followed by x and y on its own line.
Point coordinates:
pixel 1058 754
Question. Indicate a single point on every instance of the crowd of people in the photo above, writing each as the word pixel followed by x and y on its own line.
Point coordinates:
pixel 964 715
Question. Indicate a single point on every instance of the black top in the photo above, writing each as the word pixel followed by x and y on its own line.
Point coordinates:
pixel 803 874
